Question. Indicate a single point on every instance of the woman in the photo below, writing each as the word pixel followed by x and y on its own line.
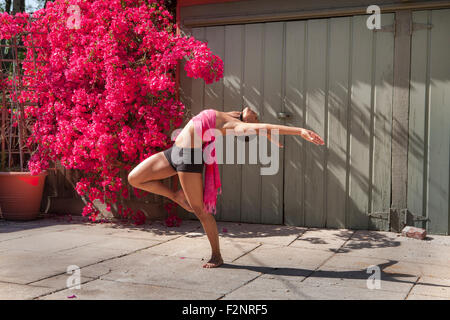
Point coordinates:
pixel 193 196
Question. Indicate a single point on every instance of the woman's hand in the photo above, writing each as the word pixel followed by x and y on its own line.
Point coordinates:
pixel 311 136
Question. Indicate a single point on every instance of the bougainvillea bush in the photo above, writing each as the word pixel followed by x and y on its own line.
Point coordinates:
pixel 105 88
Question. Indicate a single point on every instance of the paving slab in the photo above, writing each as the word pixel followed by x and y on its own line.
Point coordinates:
pixel 274 289
pixel 344 261
pixel 360 279
pixel 200 248
pixel 18 230
pixel 145 268
pixel 291 260
pixel 386 245
pixel 156 231
pixel 59 282
pixel 423 297
pixel 112 290
pixel 99 229
pixel 96 270
pixel 420 269
pixel 87 255
pixel 52 242
pixel 431 286
pixel 254 233
pixel 124 244
pixel 438 239
pixel 277 288
pixel 14 291
pixel 90 234
pixel 343 269
pixel 25 267
pixel 37 223
pixel 385 238
pixel 323 239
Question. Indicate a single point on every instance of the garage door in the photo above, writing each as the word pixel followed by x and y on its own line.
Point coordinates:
pixel 333 76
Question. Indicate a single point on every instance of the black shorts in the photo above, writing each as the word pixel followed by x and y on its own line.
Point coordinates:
pixel 185 159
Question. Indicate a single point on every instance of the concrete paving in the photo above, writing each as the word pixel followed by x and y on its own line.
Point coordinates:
pixel 122 261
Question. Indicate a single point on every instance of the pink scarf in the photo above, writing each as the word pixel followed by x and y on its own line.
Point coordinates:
pixel 202 122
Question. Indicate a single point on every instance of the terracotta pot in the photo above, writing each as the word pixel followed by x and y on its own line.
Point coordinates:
pixel 21 194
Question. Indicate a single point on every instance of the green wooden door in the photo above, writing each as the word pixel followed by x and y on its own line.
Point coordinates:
pixel 429 124
pixel 339 84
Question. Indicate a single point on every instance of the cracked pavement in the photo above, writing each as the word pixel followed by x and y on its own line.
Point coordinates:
pixel 119 261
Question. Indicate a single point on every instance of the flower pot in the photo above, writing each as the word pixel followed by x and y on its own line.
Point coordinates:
pixel 21 195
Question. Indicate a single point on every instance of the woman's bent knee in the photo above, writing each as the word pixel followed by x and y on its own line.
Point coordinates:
pixel 133 179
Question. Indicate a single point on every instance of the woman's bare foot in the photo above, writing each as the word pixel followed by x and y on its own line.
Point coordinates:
pixel 180 198
pixel 214 262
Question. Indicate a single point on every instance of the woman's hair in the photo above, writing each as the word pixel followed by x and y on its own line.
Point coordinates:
pixel 240 114
pixel 252 112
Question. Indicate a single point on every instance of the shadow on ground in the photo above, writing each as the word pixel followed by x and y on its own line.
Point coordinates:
pixel 227 230
pixel 341 274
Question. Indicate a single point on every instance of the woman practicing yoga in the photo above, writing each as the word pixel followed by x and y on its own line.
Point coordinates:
pixel 182 159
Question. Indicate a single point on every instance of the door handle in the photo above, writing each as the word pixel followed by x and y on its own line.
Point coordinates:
pixel 283 115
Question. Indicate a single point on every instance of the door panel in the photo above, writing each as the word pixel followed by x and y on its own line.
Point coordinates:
pixel 343 91
pixel 429 129
pixel 272 185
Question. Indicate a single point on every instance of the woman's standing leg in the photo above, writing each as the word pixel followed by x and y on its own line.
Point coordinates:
pixel 192 184
pixel 147 176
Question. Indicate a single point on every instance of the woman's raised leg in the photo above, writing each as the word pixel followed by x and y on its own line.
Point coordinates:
pixel 147 176
pixel 192 184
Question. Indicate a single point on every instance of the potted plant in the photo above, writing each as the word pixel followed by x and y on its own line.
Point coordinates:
pixel 20 191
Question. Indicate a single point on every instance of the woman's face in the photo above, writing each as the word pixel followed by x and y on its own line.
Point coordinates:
pixel 250 116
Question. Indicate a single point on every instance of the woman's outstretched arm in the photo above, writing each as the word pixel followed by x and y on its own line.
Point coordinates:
pixel 309 135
